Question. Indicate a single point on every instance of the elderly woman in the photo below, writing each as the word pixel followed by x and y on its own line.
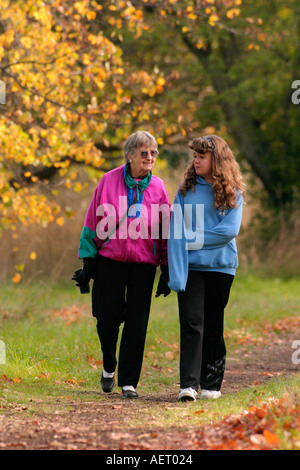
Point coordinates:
pixel 121 244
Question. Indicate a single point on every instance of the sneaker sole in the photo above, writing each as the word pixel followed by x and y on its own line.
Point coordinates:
pixel 187 399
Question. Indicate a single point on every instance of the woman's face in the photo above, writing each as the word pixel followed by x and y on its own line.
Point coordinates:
pixel 142 161
pixel 203 165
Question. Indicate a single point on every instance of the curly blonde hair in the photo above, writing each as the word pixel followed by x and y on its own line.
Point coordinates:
pixel 226 175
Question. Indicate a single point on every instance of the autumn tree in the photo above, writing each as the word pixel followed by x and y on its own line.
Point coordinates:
pixel 69 96
pixel 72 99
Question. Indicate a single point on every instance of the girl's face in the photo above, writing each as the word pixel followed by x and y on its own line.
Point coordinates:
pixel 203 165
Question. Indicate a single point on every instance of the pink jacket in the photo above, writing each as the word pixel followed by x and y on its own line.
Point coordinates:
pixel 141 237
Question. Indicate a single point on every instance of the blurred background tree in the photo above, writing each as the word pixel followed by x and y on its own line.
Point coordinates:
pixel 236 62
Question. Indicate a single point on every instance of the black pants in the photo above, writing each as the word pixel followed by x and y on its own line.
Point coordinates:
pixel 201 315
pixel 117 284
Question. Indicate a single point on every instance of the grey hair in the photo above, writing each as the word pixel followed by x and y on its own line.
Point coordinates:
pixel 137 140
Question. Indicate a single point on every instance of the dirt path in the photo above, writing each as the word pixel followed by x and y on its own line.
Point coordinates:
pixel 106 424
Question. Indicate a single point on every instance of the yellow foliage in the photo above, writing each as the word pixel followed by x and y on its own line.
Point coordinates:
pixel 60 221
pixel 16 278
pixel 26 42
pixel 68 88
pixel 233 12
pixel 91 15
pixel 213 18
pixel 20 267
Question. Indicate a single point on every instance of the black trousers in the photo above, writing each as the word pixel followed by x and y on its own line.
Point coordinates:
pixel 201 315
pixel 117 285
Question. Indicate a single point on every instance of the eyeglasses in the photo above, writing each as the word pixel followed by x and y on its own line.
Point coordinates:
pixel 153 153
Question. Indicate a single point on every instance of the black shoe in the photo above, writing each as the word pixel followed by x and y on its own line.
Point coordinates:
pixel 107 384
pixel 129 393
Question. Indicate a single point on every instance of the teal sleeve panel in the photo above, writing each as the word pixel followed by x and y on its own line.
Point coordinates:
pixel 87 246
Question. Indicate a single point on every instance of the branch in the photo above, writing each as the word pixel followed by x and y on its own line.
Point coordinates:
pixel 34 92
pixel 48 172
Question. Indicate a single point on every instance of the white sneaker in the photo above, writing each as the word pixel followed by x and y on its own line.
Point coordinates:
pixel 187 394
pixel 210 394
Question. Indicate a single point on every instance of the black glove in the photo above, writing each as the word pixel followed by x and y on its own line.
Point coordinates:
pixel 163 287
pixel 83 276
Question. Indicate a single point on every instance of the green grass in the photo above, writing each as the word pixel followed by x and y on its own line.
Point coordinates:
pixel 50 354
pixel 39 341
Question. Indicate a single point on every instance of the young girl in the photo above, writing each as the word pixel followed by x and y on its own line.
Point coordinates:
pixel 207 205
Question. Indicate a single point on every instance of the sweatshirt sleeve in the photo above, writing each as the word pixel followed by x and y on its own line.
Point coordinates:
pixel 226 230
pixel 177 252
pixel 164 226
pixel 87 242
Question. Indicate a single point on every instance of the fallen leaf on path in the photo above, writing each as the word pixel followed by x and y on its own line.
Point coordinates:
pixel 119 435
pixel 271 437
pixel 258 440
pixel 271 374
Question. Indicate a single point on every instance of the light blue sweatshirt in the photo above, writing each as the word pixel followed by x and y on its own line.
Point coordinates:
pixel 202 238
